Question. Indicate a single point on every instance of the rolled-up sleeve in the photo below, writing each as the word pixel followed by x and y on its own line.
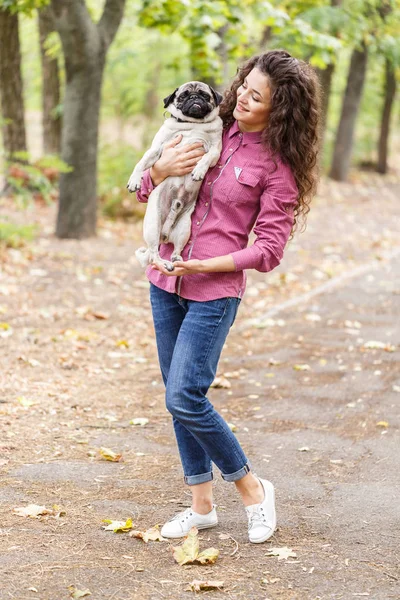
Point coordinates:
pixel 146 188
pixel 273 224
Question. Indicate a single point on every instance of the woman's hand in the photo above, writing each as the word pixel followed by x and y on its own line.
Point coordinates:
pixel 176 161
pixel 218 264
pixel 182 267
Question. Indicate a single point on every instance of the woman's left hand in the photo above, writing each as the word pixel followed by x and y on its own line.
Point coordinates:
pixel 182 267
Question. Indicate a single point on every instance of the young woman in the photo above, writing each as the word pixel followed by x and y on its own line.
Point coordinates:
pixel 265 177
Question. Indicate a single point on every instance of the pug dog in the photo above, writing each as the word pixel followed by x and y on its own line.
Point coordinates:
pixel 194 114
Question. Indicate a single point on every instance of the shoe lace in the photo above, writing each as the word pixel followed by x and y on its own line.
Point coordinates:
pixel 183 515
pixel 257 517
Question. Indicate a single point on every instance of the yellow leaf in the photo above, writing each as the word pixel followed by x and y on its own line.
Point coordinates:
pixel 187 553
pixel 301 367
pixel 76 594
pixel 118 526
pixel 122 343
pixel 232 426
pixel 208 557
pixel 139 421
pixel 383 424
pixel 25 402
pixel 108 454
pixel 4 326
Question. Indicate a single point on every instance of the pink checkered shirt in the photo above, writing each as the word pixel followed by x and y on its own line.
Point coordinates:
pixel 245 189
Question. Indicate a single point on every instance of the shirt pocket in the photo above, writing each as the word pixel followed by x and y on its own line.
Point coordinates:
pixel 243 188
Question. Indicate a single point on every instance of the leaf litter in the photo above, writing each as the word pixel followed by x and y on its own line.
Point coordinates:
pixel 189 551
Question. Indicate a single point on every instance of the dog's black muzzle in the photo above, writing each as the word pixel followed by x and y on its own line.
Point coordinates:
pixel 195 107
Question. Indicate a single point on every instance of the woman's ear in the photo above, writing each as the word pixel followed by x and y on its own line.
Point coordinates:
pixel 217 96
pixel 170 98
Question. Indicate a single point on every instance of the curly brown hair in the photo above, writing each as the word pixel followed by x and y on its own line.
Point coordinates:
pixel 292 132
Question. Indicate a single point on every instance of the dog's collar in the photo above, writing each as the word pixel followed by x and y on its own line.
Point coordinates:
pixel 178 120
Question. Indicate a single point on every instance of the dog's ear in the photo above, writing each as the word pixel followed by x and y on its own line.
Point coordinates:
pixel 217 96
pixel 170 98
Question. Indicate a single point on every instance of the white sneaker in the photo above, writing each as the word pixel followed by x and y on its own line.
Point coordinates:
pixel 262 517
pixel 180 524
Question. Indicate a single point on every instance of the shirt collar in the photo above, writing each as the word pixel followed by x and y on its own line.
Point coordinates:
pixel 249 137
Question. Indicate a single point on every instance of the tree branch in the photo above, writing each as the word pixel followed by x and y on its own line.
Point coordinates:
pixel 110 20
pixel 78 33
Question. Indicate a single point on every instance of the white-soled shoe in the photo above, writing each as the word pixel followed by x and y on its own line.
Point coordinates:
pixel 180 524
pixel 262 517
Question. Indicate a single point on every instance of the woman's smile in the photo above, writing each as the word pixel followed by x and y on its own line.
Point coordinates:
pixel 253 102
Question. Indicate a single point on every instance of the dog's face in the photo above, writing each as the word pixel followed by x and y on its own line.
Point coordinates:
pixel 193 101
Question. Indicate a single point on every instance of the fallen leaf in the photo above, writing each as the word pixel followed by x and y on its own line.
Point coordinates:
pixel 76 594
pixel 281 553
pixel 25 402
pixel 139 421
pixel 379 346
pixel 188 552
pixel 150 535
pixel 32 589
pixel 302 367
pixel 304 449
pixel 221 382
pixel 232 426
pixel 117 526
pixel 383 424
pixel 208 557
pixel 108 454
pixel 122 343
pixel 33 510
pixel 197 585
pixel 92 315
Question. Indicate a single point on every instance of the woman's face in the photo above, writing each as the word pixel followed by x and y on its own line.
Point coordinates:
pixel 253 102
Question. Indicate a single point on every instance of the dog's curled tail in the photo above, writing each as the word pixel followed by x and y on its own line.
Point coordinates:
pixel 143 256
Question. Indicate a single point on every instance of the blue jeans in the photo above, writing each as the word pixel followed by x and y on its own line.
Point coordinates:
pixel 190 336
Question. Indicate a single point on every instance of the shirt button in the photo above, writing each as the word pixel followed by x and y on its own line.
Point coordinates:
pixel 190 241
pixel 206 203
pixel 198 223
pixel 209 183
pixel 230 149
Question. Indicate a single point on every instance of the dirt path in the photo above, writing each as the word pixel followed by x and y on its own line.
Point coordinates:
pixel 79 362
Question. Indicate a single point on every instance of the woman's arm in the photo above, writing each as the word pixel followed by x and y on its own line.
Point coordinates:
pixel 173 161
pixel 273 225
pixel 219 264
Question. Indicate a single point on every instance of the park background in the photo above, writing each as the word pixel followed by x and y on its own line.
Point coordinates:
pixel 309 376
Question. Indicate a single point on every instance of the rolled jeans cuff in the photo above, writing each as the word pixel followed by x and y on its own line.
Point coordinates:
pixel 202 478
pixel 237 474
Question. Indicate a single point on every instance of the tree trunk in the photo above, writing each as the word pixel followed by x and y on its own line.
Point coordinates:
pixel 390 92
pixel 325 78
pixel 85 45
pixel 348 117
pixel 51 118
pixel 11 88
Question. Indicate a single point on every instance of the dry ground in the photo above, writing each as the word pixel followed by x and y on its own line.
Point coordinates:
pixel 79 362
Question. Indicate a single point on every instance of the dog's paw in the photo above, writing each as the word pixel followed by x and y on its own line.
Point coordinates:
pixel 135 182
pixel 168 265
pixel 198 173
pixel 176 257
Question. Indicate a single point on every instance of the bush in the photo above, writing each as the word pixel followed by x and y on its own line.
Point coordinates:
pixel 15 236
pixel 115 167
